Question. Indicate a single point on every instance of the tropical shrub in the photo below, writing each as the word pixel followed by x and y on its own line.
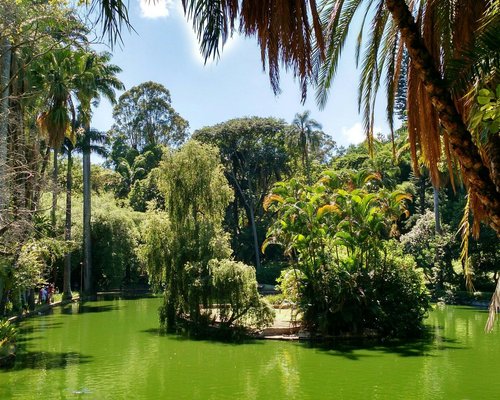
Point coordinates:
pixel 336 234
pixel 7 337
pixel 289 283
pixel 432 252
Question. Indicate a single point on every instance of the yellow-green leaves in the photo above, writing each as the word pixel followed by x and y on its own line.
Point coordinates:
pixel 327 208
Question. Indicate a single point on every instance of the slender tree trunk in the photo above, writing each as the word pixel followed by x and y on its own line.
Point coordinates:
pixel 255 238
pixel 67 295
pixel 5 50
pixel 248 205
pixel 55 172
pixel 422 188
pixel 37 191
pixel 474 170
pixel 436 211
pixel 235 216
pixel 308 164
pixel 254 226
pixel 87 251
pixel 235 204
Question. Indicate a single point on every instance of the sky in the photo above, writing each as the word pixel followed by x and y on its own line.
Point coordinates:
pixel 164 49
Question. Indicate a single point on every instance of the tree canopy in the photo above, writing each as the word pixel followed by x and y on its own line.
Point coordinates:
pixel 144 116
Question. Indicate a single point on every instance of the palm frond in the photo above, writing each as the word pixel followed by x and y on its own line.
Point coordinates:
pixel 112 15
pixel 336 16
pixel 464 251
pixel 285 31
pixel 480 62
pixel 371 72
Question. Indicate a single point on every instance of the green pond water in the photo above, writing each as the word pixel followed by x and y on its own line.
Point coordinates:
pixel 112 350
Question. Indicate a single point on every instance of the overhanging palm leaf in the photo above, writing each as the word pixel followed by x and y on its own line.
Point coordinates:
pixel 112 14
pixel 284 29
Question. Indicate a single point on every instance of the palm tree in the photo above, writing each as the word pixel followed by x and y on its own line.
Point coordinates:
pixel 68 149
pixel 97 140
pixel 307 138
pixel 444 31
pixel 96 78
pixel 56 75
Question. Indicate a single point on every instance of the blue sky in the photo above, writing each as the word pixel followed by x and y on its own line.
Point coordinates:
pixel 164 49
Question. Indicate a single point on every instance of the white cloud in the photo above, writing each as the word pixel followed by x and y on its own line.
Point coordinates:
pixel 155 8
pixel 355 134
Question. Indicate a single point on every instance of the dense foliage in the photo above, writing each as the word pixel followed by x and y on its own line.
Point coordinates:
pixel 350 276
pixel 186 250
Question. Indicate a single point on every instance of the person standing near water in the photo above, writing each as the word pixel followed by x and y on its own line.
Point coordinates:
pixel 42 296
pixel 50 294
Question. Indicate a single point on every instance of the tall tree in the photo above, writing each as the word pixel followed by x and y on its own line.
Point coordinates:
pixel 35 31
pixel 308 138
pixel 197 195
pixel 144 116
pixel 96 78
pixel 56 74
pixel 255 157
pixel 5 54
pixel 68 149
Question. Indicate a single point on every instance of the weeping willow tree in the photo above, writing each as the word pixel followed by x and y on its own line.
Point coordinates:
pixel 183 244
pixel 197 194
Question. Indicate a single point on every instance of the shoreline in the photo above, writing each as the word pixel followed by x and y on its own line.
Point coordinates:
pixel 282 329
pixel 42 309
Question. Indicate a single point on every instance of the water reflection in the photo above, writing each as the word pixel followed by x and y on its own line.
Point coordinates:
pixel 114 350
pixel 42 360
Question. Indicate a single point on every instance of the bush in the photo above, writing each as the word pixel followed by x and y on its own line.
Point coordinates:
pixel 388 299
pixel 115 240
pixel 433 253
pixel 234 290
pixel 289 283
pixel 402 301
pixel 7 338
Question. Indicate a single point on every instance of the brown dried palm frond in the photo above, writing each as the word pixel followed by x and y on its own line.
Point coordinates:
pixel 286 31
pixel 464 252
pixel 493 308
pixel 53 125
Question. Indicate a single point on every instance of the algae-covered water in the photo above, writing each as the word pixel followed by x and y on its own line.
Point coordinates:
pixel 112 350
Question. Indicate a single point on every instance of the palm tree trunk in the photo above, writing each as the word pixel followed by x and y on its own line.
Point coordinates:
pixel 474 170
pixel 55 172
pixel 67 295
pixel 87 251
pixel 4 120
pixel 422 188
